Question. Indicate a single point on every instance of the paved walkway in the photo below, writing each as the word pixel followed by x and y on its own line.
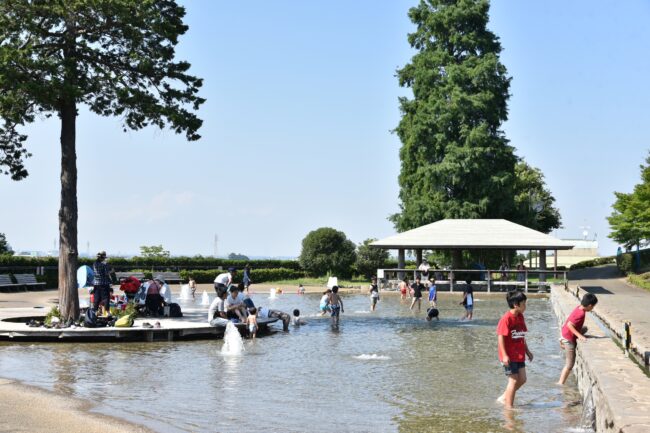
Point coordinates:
pixel 618 302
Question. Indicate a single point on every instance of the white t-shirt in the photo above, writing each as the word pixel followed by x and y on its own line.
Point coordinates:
pixel 236 301
pixel 470 300
pixel 223 278
pixel 324 300
pixel 166 293
pixel 215 306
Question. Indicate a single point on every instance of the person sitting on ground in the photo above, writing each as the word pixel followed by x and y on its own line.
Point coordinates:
pixel 234 305
pixel 130 286
pixel 572 331
pixel 251 321
pixel 165 291
pixel 432 313
pixel 154 301
pixel 192 286
pixel 265 313
pixel 296 320
pixel 217 312
pixel 324 302
pixel 224 280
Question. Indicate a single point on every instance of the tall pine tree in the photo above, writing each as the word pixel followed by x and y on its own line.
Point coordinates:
pixel 456 161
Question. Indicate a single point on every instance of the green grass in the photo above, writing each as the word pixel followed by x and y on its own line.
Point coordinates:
pixel 640 280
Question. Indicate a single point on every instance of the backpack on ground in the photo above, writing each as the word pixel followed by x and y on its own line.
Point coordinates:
pixel 90 318
pixel 124 321
pixel 175 310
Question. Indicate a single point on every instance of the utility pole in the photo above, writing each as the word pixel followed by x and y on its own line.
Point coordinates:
pixel 216 240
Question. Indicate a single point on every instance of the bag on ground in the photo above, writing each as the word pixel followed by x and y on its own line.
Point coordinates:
pixel 124 321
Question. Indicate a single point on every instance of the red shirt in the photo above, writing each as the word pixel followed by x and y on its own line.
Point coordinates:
pixel 577 317
pixel 130 285
pixel 513 328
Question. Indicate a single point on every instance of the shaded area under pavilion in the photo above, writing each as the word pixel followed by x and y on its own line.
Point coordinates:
pixel 473 235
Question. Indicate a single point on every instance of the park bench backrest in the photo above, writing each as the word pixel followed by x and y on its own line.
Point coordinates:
pixel 5 280
pixel 171 276
pixel 26 279
pixel 138 275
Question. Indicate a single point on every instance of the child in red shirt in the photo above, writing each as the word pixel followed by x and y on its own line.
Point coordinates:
pixel 511 334
pixel 572 331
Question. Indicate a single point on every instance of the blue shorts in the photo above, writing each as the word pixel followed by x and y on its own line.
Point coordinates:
pixel 469 308
pixel 336 310
pixel 513 367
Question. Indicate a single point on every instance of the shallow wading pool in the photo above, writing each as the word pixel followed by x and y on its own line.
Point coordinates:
pixel 387 371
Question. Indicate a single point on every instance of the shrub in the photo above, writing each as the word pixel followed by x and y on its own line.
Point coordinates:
pixel 593 262
pixel 203 276
pixel 642 280
pixel 327 251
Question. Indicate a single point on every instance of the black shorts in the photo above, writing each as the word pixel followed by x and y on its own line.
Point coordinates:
pixel 513 367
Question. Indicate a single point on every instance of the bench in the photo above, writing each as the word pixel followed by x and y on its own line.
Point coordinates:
pixel 6 284
pixel 138 275
pixel 169 277
pixel 29 282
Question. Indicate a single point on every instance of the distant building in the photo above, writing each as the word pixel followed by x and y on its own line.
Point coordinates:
pixel 582 250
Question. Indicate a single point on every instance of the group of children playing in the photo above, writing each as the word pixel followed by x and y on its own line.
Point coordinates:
pixel 513 350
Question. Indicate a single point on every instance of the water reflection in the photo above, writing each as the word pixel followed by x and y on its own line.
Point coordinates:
pixel 386 371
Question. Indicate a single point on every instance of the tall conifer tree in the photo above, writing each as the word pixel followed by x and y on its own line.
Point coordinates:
pixel 456 161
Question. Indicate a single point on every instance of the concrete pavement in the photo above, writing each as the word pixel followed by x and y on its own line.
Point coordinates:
pixel 618 302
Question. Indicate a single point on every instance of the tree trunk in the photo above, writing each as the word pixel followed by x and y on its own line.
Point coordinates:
pixel 68 292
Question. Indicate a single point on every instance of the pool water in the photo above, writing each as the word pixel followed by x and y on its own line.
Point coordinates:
pixel 386 371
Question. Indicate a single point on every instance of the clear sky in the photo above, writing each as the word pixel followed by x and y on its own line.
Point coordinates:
pixel 301 101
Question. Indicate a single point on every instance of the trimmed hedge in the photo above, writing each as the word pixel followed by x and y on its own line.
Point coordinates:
pixel 171 263
pixel 593 262
pixel 257 275
pixel 626 261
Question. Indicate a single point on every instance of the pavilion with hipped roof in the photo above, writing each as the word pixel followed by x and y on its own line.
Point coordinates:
pixel 472 234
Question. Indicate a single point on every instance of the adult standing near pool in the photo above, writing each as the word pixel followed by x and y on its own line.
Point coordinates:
pixel 247 277
pixel 224 280
pixel 101 282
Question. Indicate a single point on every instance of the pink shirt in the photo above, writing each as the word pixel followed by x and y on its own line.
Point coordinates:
pixel 577 317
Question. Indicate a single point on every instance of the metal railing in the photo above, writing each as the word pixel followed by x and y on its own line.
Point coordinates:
pixel 490 278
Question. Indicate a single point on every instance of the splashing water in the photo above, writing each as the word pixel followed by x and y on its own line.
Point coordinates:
pixel 374 356
pixel 186 293
pixel 205 299
pixel 232 341
pixel 588 418
pixel 272 293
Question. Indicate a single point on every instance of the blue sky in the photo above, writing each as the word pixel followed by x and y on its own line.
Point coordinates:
pixel 301 99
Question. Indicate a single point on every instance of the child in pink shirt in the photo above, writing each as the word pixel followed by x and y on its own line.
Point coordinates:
pixel 572 331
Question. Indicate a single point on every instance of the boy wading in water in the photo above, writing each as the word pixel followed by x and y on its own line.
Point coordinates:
pixel 336 306
pixel 511 334
pixel 572 331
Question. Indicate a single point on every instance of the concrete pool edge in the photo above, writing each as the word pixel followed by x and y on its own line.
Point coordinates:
pixel 615 383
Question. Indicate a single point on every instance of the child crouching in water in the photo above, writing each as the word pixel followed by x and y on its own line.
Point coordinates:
pixel 251 321
pixel 296 320
pixel 511 334
pixel 572 331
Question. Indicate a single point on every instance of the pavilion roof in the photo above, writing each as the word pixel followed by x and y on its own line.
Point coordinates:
pixel 473 234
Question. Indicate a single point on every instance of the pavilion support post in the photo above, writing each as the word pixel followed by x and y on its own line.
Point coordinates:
pixel 542 265
pixel 401 263
pixel 418 257
pixel 530 258
pixel 555 264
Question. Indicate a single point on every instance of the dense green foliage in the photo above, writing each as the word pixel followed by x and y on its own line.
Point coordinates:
pixel 630 221
pixel 593 262
pixel 116 57
pixel 327 251
pixel 533 201
pixel 257 275
pixel 153 251
pixel 455 160
pixel 5 248
pixel 626 262
pixel 237 256
pixel 370 259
